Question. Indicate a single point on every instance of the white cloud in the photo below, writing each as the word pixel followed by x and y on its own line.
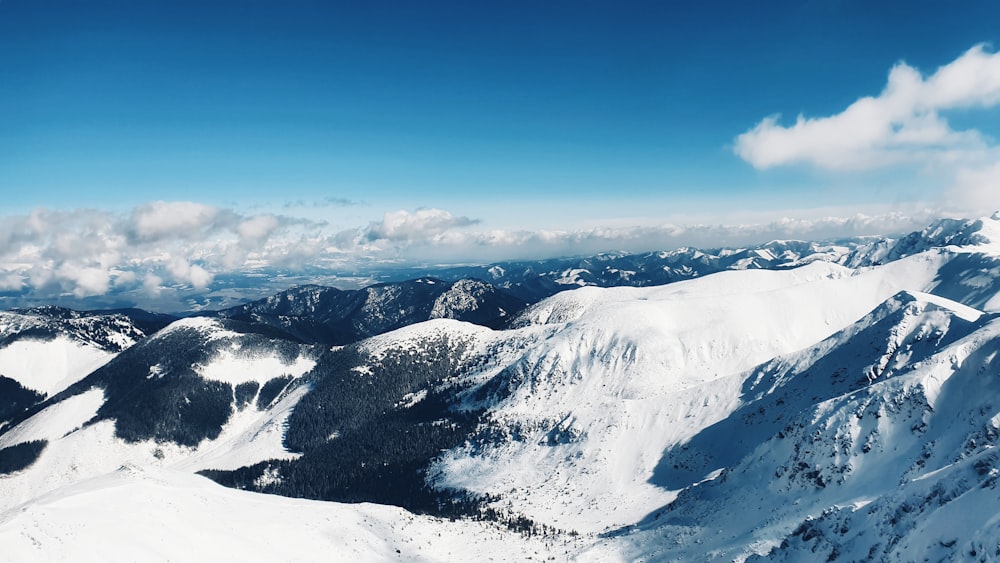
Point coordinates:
pixel 162 219
pixel 152 285
pixel 977 187
pixel 86 253
pixel 256 229
pixel 496 245
pixel 420 225
pixel 85 281
pixel 902 124
pixel 182 270
pixel 11 282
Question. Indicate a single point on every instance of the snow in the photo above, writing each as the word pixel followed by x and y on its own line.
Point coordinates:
pixel 641 369
pixel 148 514
pixel 907 471
pixel 234 368
pixel 57 420
pixel 415 336
pixel 815 412
pixel 962 311
pixel 76 453
pixel 572 277
pixel 461 297
pixel 210 328
pixel 49 366
pixel 250 436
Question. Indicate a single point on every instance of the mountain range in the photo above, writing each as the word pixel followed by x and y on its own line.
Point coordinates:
pixel 792 401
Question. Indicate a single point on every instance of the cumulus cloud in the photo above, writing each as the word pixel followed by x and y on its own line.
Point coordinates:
pixel 163 219
pixel 87 252
pixel 85 281
pixel 420 225
pixel 152 285
pixel 902 124
pixel 977 186
pixel 257 229
pixel 182 270
pixel 11 282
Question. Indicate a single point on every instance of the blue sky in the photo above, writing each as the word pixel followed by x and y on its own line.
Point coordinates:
pixel 506 120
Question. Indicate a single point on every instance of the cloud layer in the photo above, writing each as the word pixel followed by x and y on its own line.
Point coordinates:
pixel 903 125
pixel 164 247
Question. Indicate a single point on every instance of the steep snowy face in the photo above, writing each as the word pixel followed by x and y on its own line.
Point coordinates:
pixel 579 421
pixel 983 232
pixel 876 444
pixel 976 236
pixel 49 366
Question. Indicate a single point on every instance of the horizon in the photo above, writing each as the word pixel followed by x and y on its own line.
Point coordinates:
pixel 156 147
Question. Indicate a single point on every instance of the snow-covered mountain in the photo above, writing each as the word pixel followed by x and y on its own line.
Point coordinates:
pixel 538 279
pixel 46 349
pixel 333 316
pixel 841 404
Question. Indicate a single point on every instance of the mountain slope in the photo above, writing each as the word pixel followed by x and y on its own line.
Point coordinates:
pixel 201 392
pixel 46 349
pixel 844 408
pixel 146 514
pixel 332 316
pixel 865 447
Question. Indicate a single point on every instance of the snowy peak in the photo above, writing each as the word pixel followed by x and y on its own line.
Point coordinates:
pixel 950 232
pixel 888 342
pixel 980 236
pixel 828 443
